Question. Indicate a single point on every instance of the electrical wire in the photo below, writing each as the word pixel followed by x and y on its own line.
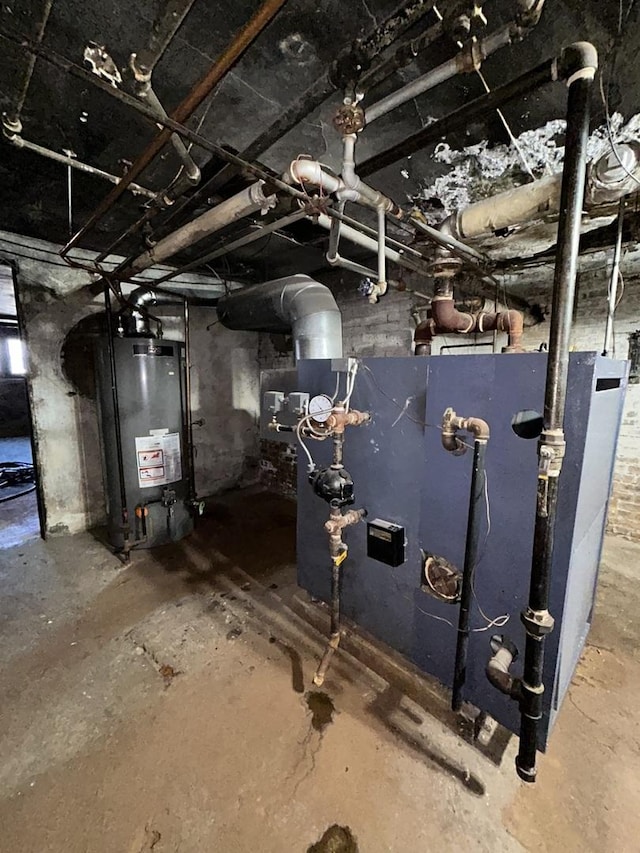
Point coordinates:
pixel 337 390
pixel 351 381
pixel 404 410
pixel 312 464
pixel 499 621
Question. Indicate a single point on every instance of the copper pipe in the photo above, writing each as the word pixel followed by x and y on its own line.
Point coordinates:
pixel 186 108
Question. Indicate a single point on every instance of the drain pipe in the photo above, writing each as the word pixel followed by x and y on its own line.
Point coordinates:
pixel 71 162
pixel 295 304
pixel 582 61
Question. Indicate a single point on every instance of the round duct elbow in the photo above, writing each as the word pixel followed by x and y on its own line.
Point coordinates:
pixel 295 304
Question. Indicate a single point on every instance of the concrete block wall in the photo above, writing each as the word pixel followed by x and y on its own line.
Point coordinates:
pixel 387 329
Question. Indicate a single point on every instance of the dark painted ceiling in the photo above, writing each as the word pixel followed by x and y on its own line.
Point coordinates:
pixel 62 112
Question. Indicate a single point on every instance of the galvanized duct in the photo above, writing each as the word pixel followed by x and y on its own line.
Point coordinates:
pixel 295 304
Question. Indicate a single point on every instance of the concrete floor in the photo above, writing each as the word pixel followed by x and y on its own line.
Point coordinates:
pixel 167 706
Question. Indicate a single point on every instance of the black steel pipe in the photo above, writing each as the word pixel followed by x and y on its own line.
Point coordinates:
pixel 162 33
pixel 474 522
pixel 126 527
pixel 343 72
pixel 227 59
pixel 187 394
pixel 462 117
pixel 336 581
pixel 536 618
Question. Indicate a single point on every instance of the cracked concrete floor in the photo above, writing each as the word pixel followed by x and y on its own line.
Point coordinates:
pixel 167 706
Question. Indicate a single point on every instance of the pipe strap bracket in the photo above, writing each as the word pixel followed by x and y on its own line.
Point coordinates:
pixel 537 623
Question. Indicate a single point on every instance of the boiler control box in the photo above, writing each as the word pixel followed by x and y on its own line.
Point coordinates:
pixel 385 542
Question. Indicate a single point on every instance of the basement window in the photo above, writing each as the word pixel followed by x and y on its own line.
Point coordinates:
pixel 15 357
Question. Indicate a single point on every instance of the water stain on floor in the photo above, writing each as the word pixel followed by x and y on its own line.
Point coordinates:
pixel 337 839
pixel 321 707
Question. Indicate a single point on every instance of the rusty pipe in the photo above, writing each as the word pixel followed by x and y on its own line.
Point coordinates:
pixel 11 118
pixel 243 40
pixel 340 418
pixel 453 423
pixel 446 318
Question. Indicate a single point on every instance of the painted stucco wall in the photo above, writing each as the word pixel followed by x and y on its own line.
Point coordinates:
pixel 225 376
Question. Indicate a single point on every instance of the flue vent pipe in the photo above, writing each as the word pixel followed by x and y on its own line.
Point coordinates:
pixel 295 304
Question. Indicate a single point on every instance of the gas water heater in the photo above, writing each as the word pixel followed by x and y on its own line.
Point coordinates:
pixel 147 484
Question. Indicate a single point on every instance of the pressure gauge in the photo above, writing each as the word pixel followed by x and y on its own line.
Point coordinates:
pixel 320 408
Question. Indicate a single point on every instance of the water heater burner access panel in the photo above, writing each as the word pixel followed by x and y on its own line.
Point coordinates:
pixel 385 542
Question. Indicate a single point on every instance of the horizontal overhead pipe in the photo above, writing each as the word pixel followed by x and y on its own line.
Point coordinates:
pixel 606 182
pixel 230 245
pixel 295 304
pixel 462 117
pixel 341 74
pixel 58 61
pixel 467 60
pixel 244 203
pixel 311 172
pixel 186 108
pixel 63 159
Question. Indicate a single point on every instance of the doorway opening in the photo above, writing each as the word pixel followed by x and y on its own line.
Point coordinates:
pixel 20 508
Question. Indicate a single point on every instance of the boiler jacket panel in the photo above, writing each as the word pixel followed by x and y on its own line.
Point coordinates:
pixel 403 475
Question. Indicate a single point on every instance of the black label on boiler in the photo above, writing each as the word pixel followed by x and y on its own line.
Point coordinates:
pixel 152 349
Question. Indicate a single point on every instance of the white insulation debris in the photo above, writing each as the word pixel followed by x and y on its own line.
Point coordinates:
pixel 482 170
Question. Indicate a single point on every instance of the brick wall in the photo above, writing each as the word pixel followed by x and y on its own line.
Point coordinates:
pixel 387 329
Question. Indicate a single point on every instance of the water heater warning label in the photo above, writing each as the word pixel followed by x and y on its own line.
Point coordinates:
pixel 159 461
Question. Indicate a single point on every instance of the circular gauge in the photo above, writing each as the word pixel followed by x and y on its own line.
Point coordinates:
pixel 320 408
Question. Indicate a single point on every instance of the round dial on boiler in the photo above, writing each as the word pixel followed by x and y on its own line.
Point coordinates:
pixel 320 408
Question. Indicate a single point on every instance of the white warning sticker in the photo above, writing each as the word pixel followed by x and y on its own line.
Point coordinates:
pixel 158 458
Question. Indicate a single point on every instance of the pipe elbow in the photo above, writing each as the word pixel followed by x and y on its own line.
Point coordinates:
pixel 502 681
pixel 498 668
pixel 577 60
pixel 512 322
pixel 478 428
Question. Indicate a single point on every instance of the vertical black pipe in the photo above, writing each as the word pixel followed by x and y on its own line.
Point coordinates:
pixel 536 618
pixel 187 393
pixel 470 560
pixel 335 597
pixel 116 424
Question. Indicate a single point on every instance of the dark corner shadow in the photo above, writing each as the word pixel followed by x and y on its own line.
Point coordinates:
pixel 386 707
